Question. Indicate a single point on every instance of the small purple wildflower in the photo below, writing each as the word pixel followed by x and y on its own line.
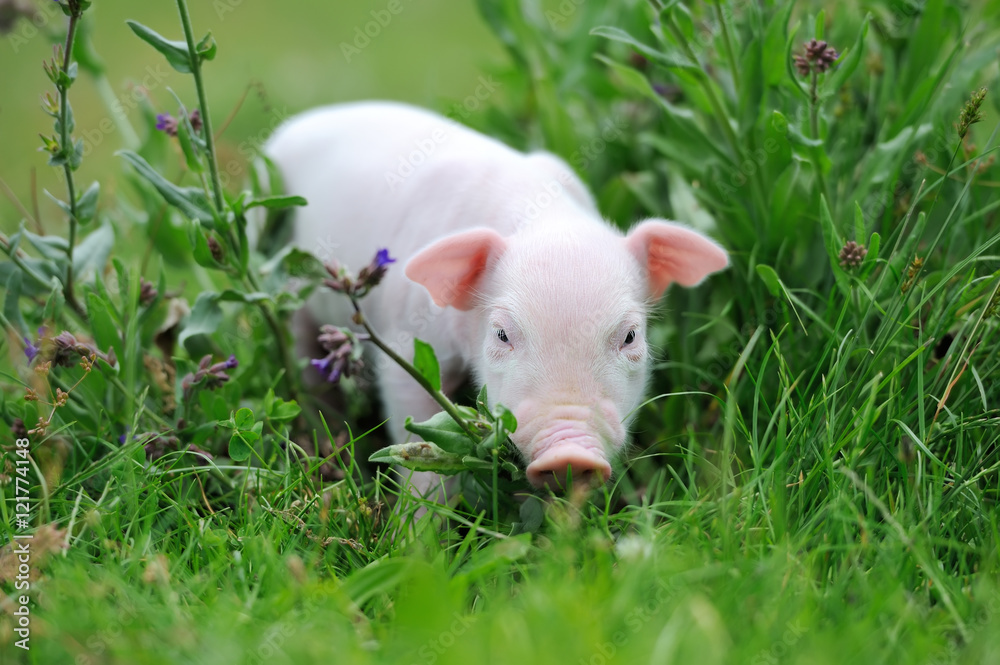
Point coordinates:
pixel 167 123
pixel 327 368
pixel 368 278
pixel 383 259
pixel 31 350
pixel 344 357
pixel 209 375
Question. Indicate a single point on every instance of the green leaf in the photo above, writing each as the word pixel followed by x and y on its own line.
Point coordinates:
pixel 106 332
pixel 205 317
pixel 191 158
pixel 675 59
pixel 92 254
pixel 426 363
pixel 834 243
pixel 442 430
pixel 213 404
pixel 189 200
pixel 244 419
pixel 770 279
pixel 11 302
pixel 175 52
pixel 846 64
pixel 282 411
pixel 54 303
pixel 859 223
pixel 200 250
pixel 86 205
pixel 774 46
pixel 505 418
pixel 683 138
pixel 793 75
pixel 276 202
pixel 482 402
pixel 420 456
pixel 207 47
pixel 380 576
pixel 500 553
pixel 52 248
pixel 239 448
pixel 871 257
pixel 820 24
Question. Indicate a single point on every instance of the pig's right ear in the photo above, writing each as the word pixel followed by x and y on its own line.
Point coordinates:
pixel 674 253
pixel 451 268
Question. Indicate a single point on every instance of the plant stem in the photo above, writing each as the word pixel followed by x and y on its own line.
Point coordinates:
pixel 814 129
pixel 728 43
pixel 438 396
pixel 206 117
pixel 249 280
pixel 66 144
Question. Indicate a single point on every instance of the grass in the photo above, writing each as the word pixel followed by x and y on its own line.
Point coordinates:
pixel 814 479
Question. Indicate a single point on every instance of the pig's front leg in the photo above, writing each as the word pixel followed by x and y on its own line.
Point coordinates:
pixel 402 397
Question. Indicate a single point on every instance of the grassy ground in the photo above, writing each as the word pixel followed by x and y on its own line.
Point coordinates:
pixel 815 479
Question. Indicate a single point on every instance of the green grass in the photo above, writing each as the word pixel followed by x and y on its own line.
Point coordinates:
pixel 814 479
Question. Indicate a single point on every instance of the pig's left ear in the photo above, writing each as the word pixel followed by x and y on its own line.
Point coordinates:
pixel 674 253
pixel 451 268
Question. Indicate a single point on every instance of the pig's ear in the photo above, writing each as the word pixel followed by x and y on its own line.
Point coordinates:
pixel 674 253
pixel 451 268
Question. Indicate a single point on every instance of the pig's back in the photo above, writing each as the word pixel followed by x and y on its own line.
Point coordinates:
pixel 387 175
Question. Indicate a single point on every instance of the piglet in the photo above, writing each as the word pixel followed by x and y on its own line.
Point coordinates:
pixel 510 274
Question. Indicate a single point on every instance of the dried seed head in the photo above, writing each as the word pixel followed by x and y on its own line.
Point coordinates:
pixel 196 122
pixel 147 292
pixel 216 249
pixel 802 65
pixel 911 274
pixel 852 255
pixel 971 114
pixel 819 56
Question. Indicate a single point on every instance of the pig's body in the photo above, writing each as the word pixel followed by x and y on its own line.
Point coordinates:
pixel 510 272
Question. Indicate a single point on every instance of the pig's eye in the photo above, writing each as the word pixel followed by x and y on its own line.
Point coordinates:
pixel 629 338
pixel 502 336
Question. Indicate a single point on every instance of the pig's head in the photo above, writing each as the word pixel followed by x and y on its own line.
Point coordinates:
pixel 560 312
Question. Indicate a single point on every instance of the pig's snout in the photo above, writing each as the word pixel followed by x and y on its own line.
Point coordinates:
pixel 566 441
pixel 557 464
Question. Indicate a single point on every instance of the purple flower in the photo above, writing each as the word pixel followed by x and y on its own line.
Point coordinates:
pixel 328 368
pixel 344 353
pixel 31 350
pixel 231 362
pixel 167 123
pixel 383 259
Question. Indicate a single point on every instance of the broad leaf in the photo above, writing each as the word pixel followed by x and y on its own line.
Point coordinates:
pixel 175 52
pixel 426 363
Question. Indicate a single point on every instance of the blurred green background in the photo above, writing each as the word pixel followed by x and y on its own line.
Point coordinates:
pixel 430 52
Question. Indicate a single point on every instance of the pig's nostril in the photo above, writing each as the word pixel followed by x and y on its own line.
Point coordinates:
pixel 559 466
